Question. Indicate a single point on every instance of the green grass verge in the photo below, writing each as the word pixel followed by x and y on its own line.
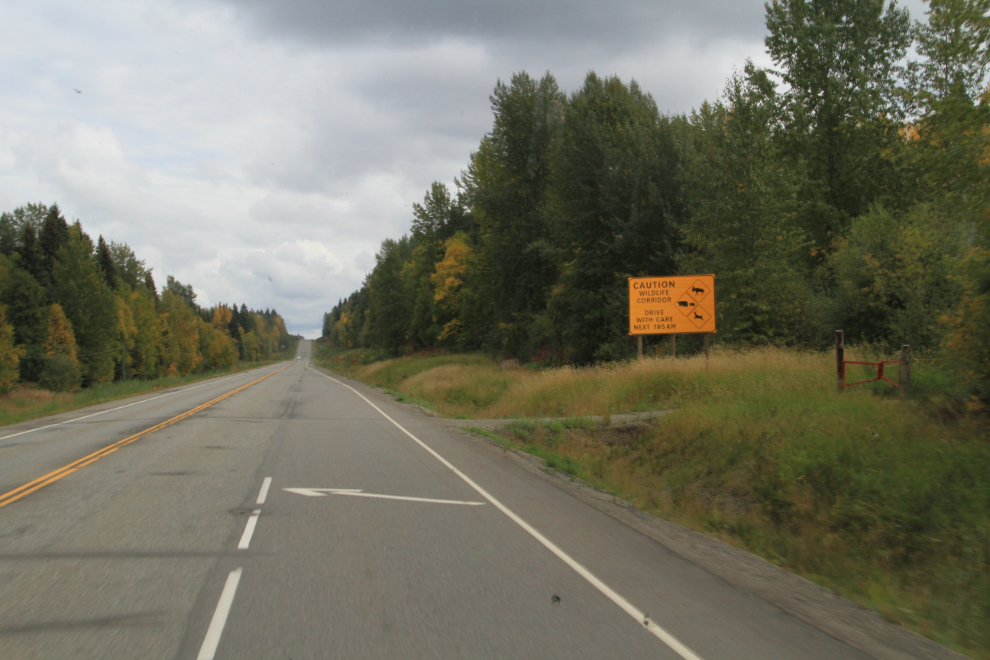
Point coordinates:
pixel 27 402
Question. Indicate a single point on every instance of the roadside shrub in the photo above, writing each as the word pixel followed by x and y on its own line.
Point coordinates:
pixel 61 374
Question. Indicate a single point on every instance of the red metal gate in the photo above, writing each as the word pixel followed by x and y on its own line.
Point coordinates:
pixel 880 376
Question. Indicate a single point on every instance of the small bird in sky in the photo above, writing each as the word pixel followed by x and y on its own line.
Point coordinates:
pixel 78 91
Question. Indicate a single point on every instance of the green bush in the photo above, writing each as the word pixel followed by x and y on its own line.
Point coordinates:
pixel 61 374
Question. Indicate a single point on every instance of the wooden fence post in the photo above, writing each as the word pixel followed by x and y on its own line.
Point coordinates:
pixel 905 370
pixel 840 355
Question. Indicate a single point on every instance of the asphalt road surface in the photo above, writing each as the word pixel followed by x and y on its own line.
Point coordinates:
pixel 305 516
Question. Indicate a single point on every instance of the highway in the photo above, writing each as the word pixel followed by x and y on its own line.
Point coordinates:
pixel 307 516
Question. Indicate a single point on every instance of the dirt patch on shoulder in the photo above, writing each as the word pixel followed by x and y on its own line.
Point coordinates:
pixel 624 434
pixel 621 434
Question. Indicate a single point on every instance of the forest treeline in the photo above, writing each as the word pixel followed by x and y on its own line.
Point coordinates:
pixel 846 188
pixel 74 313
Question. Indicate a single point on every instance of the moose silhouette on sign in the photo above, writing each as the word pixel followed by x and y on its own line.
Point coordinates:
pixel 695 289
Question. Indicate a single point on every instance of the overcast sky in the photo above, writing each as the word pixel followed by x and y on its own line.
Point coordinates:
pixel 262 150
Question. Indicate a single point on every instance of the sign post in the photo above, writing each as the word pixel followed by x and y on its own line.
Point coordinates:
pixel 674 305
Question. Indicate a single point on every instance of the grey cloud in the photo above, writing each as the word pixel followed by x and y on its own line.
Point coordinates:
pixel 620 24
pixel 385 111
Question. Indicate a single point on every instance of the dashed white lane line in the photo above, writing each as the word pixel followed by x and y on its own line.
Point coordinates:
pixel 213 633
pixel 675 644
pixel 265 485
pixel 104 412
pixel 249 530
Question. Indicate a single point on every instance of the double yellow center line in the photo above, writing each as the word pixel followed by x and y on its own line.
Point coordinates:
pixel 41 482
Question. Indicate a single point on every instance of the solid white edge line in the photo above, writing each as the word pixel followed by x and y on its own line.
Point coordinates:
pixel 213 633
pixel 103 412
pixel 676 645
pixel 249 530
pixel 265 485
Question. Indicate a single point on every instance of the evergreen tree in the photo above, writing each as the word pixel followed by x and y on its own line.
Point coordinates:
pixel 26 304
pixel 234 326
pixel 84 238
pixel 30 259
pixel 9 233
pixel 506 188
pixel 106 263
pixel 12 225
pixel 389 308
pixel 89 305
pixel 618 209
pixel 149 284
pixel 54 234
pixel 246 319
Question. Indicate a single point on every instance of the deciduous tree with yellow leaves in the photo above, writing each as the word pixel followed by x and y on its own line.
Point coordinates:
pixel 62 371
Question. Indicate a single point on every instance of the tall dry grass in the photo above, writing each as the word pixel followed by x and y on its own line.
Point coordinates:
pixel 475 386
pixel 484 391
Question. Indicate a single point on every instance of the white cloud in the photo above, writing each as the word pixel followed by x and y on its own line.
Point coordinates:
pixel 291 269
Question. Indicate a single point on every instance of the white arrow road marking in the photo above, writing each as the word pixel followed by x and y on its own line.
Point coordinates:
pixel 353 492
pixel 320 492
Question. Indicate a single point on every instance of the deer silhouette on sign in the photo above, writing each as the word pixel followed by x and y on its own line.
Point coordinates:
pixel 699 316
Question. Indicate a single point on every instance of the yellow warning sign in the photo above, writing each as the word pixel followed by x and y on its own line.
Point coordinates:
pixel 673 305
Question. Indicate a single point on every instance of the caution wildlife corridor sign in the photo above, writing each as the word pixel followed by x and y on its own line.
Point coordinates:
pixel 672 305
